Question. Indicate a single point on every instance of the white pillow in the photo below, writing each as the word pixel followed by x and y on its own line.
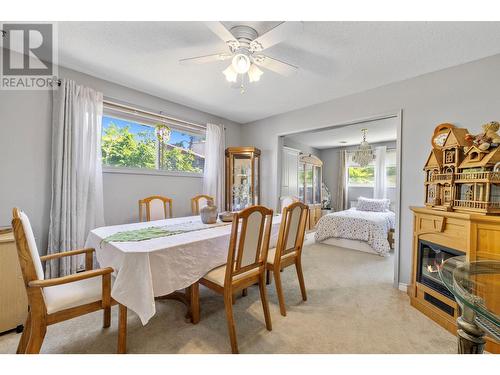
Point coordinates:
pixel 377 205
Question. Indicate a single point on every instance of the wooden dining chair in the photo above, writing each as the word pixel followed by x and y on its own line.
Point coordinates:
pixel 246 263
pixel 155 207
pixel 287 200
pixel 288 250
pixel 55 300
pixel 199 201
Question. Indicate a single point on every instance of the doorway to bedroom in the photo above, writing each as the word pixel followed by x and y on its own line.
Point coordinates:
pixel 349 175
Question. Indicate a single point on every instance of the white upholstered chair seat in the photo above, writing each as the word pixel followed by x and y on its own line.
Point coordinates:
pixel 271 253
pixel 218 274
pixel 65 296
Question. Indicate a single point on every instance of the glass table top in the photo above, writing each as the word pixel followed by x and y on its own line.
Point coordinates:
pixel 475 285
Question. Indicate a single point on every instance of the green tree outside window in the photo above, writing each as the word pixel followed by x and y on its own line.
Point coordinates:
pixel 148 149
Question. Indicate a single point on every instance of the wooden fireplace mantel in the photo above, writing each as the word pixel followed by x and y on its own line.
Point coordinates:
pixel 476 235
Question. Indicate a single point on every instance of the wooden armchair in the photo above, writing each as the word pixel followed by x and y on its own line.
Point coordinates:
pixel 155 207
pixel 55 300
pixel 200 201
pixel 288 250
pixel 247 259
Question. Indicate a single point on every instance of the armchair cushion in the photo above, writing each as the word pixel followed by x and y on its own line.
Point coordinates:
pixel 65 296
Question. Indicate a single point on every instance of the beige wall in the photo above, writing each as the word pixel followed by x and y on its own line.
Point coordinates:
pixel 25 152
pixel 466 95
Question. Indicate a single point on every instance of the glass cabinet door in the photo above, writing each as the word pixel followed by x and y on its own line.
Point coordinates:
pixel 256 182
pixel 317 184
pixel 309 179
pixel 309 183
pixel 301 182
pixel 242 180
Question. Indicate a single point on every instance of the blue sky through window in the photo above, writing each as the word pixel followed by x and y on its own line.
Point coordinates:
pixel 135 128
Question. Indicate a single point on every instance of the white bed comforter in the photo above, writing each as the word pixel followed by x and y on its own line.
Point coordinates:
pixel 368 226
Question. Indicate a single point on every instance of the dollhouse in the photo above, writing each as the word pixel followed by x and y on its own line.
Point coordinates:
pixel 461 175
pixel 477 182
pixel 441 166
pixel 433 166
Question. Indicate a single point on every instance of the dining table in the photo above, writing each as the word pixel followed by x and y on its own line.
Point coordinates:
pixel 162 259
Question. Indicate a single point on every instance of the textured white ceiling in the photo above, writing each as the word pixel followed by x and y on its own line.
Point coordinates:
pixel 335 59
pixel 340 136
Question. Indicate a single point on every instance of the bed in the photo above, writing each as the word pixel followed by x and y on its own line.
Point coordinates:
pixel 355 229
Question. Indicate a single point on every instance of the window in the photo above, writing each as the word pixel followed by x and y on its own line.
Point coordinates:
pixel 391 176
pixel 359 176
pixel 362 176
pixel 140 143
pixel 390 168
pixel 450 156
pixel 365 176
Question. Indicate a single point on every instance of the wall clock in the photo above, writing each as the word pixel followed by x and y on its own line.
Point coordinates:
pixel 440 134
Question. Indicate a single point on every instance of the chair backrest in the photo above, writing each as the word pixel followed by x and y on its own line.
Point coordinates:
pixel 249 243
pixel 27 251
pixel 287 200
pixel 292 230
pixel 155 207
pixel 200 201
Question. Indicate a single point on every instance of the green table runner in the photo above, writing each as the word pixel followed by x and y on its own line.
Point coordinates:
pixel 149 233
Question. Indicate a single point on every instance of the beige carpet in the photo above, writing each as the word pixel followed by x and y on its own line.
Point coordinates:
pixel 351 308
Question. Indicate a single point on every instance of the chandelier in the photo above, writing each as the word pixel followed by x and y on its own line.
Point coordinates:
pixel 364 154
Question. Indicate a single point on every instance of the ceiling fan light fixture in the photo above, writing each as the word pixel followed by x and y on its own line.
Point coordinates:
pixel 254 73
pixel 244 47
pixel 230 74
pixel 241 63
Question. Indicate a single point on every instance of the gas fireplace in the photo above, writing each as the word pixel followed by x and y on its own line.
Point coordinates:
pixel 430 257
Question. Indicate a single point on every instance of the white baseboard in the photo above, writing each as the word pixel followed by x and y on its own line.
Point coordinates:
pixel 403 287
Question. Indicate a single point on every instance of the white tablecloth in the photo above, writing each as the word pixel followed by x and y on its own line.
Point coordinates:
pixel 160 266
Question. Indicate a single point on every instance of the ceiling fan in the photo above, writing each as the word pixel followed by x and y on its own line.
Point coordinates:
pixel 245 51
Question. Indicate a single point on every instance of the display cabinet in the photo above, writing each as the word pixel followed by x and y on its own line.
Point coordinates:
pixel 242 177
pixel 310 177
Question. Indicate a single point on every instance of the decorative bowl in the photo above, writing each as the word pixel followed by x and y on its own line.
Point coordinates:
pixel 226 216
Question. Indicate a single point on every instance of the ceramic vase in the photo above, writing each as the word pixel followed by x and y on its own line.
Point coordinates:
pixel 208 213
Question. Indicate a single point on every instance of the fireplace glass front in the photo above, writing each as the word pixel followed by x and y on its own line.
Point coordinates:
pixel 430 257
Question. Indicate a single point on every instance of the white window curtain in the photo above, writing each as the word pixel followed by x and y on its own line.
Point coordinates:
pixel 380 189
pixel 341 195
pixel 77 197
pixel 213 176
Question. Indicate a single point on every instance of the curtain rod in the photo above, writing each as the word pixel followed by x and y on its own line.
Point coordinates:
pixel 126 108
pixel 129 109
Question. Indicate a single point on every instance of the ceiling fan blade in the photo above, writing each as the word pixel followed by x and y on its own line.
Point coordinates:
pixel 206 59
pixel 275 65
pixel 224 34
pixel 279 33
